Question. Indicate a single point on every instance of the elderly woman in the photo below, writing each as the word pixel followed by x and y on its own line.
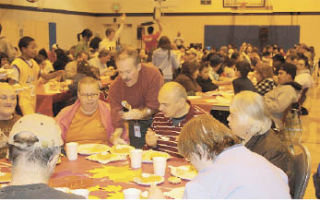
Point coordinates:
pixel 226 168
pixel 188 78
pixel 88 119
pixel 264 77
pixel 8 102
pixel 248 120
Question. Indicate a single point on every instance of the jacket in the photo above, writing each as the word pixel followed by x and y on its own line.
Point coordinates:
pixel 189 84
pixel 270 146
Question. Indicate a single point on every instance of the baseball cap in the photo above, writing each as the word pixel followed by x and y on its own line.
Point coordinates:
pixel 43 127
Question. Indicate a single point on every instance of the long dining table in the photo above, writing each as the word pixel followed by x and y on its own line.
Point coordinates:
pixel 76 175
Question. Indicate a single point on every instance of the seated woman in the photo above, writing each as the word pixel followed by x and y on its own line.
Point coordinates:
pixel 226 168
pixel 264 77
pixel 204 80
pixel 8 116
pixel 188 78
pixel 88 120
pixel 248 120
pixel 242 83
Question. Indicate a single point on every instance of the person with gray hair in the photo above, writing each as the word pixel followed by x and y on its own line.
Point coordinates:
pixel 34 148
pixel 250 121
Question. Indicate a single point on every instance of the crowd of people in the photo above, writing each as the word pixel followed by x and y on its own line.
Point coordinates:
pixel 147 107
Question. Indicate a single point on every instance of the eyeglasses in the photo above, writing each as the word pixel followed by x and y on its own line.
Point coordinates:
pixel 94 95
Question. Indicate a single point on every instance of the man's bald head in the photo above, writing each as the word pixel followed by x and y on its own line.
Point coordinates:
pixel 173 90
pixel 172 99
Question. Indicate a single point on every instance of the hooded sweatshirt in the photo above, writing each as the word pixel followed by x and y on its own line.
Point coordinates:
pixel 166 63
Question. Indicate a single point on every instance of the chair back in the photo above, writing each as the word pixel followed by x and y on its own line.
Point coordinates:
pixel 302 169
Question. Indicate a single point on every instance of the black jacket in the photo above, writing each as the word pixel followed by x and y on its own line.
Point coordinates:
pixel 273 149
pixel 242 84
pixel 206 84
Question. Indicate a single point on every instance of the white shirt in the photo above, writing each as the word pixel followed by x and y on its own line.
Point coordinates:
pixel 95 62
pixel 304 78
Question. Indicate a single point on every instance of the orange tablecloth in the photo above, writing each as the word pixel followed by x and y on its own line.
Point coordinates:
pixel 209 104
pixel 74 175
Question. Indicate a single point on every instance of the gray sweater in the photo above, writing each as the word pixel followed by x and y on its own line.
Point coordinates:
pixel 167 64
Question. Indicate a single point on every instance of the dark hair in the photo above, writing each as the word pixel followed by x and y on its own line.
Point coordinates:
pixel 278 58
pixel 215 60
pixel 94 43
pixel 243 67
pixel 0 28
pixel 43 53
pixel 229 62
pixel 150 29
pixel 109 31
pixel 290 69
pixel 103 53
pixel 189 67
pixel 305 59
pixel 39 58
pixel 85 33
pixel 84 68
pixel 292 57
pixel 164 43
pixel 3 56
pixel 203 65
pixel 24 42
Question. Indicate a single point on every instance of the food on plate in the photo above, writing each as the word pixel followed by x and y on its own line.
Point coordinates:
pixel 121 149
pixel 148 179
pixel 174 180
pixel 186 172
pixel 176 193
pixel 105 157
pixel 5 177
pixel 148 155
pixel 90 149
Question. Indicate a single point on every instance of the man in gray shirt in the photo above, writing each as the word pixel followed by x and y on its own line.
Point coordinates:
pixel 34 148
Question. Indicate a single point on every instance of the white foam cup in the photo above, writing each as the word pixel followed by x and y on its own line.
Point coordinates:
pixel 72 151
pixel 159 165
pixel 132 193
pixel 136 158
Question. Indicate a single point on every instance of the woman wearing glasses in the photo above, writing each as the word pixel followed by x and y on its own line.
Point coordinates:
pixel 88 119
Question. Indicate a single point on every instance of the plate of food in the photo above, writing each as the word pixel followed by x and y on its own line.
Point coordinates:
pixel 90 149
pixel 186 172
pixel 106 157
pixel 121 149
pixel 148 155
pixel 147 179
pixel 176 193
pixel 5 177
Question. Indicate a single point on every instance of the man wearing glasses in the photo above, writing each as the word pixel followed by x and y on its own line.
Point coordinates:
pixel 88 119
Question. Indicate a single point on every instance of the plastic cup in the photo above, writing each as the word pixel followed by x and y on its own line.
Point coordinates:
pixel 72 151
pixel 132 193
pixel 159 165
pixel 136 158
pixel 81 192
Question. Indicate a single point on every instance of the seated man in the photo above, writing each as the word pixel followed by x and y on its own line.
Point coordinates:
pixel 284 95
pixel 71 68
pixel 34 148
pixel 88 120
pixel 226 168
pixel 100 62
pixel 175 111
pixel 242 83
pixel 8 102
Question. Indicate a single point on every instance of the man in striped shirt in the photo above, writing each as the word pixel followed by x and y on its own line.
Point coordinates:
pixel 175 111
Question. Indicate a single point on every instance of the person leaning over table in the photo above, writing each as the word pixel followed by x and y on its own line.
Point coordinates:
pixel 26 73
pixel 226 168
pixel 175 111
pixel 88 120
pixel 249 120
pixel 138 84
pixel 34 148
pixel 188 78
pixel 8 116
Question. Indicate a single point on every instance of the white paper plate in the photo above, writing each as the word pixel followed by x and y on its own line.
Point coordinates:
pixel 121 149
pixel 183 172
pixel 153 154
pixel 90 149
pixel 139 181
pixel 106 157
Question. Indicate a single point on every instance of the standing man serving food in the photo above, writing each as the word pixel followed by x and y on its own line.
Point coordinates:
pixel 135 90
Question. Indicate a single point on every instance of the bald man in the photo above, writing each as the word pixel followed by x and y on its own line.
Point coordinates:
pixel 8 102
pixel 175 111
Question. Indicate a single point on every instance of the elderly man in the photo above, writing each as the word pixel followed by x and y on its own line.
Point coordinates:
pixel 100 62
pixel 26 72
pixel 8 102
pixel 284 95
pixel 226 168
pixel 175 111
pixel 88 119
pixel 136 88
pixel 34 148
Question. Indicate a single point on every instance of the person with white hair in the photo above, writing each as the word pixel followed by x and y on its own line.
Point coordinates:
pixel 249 120
pixel 34 148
